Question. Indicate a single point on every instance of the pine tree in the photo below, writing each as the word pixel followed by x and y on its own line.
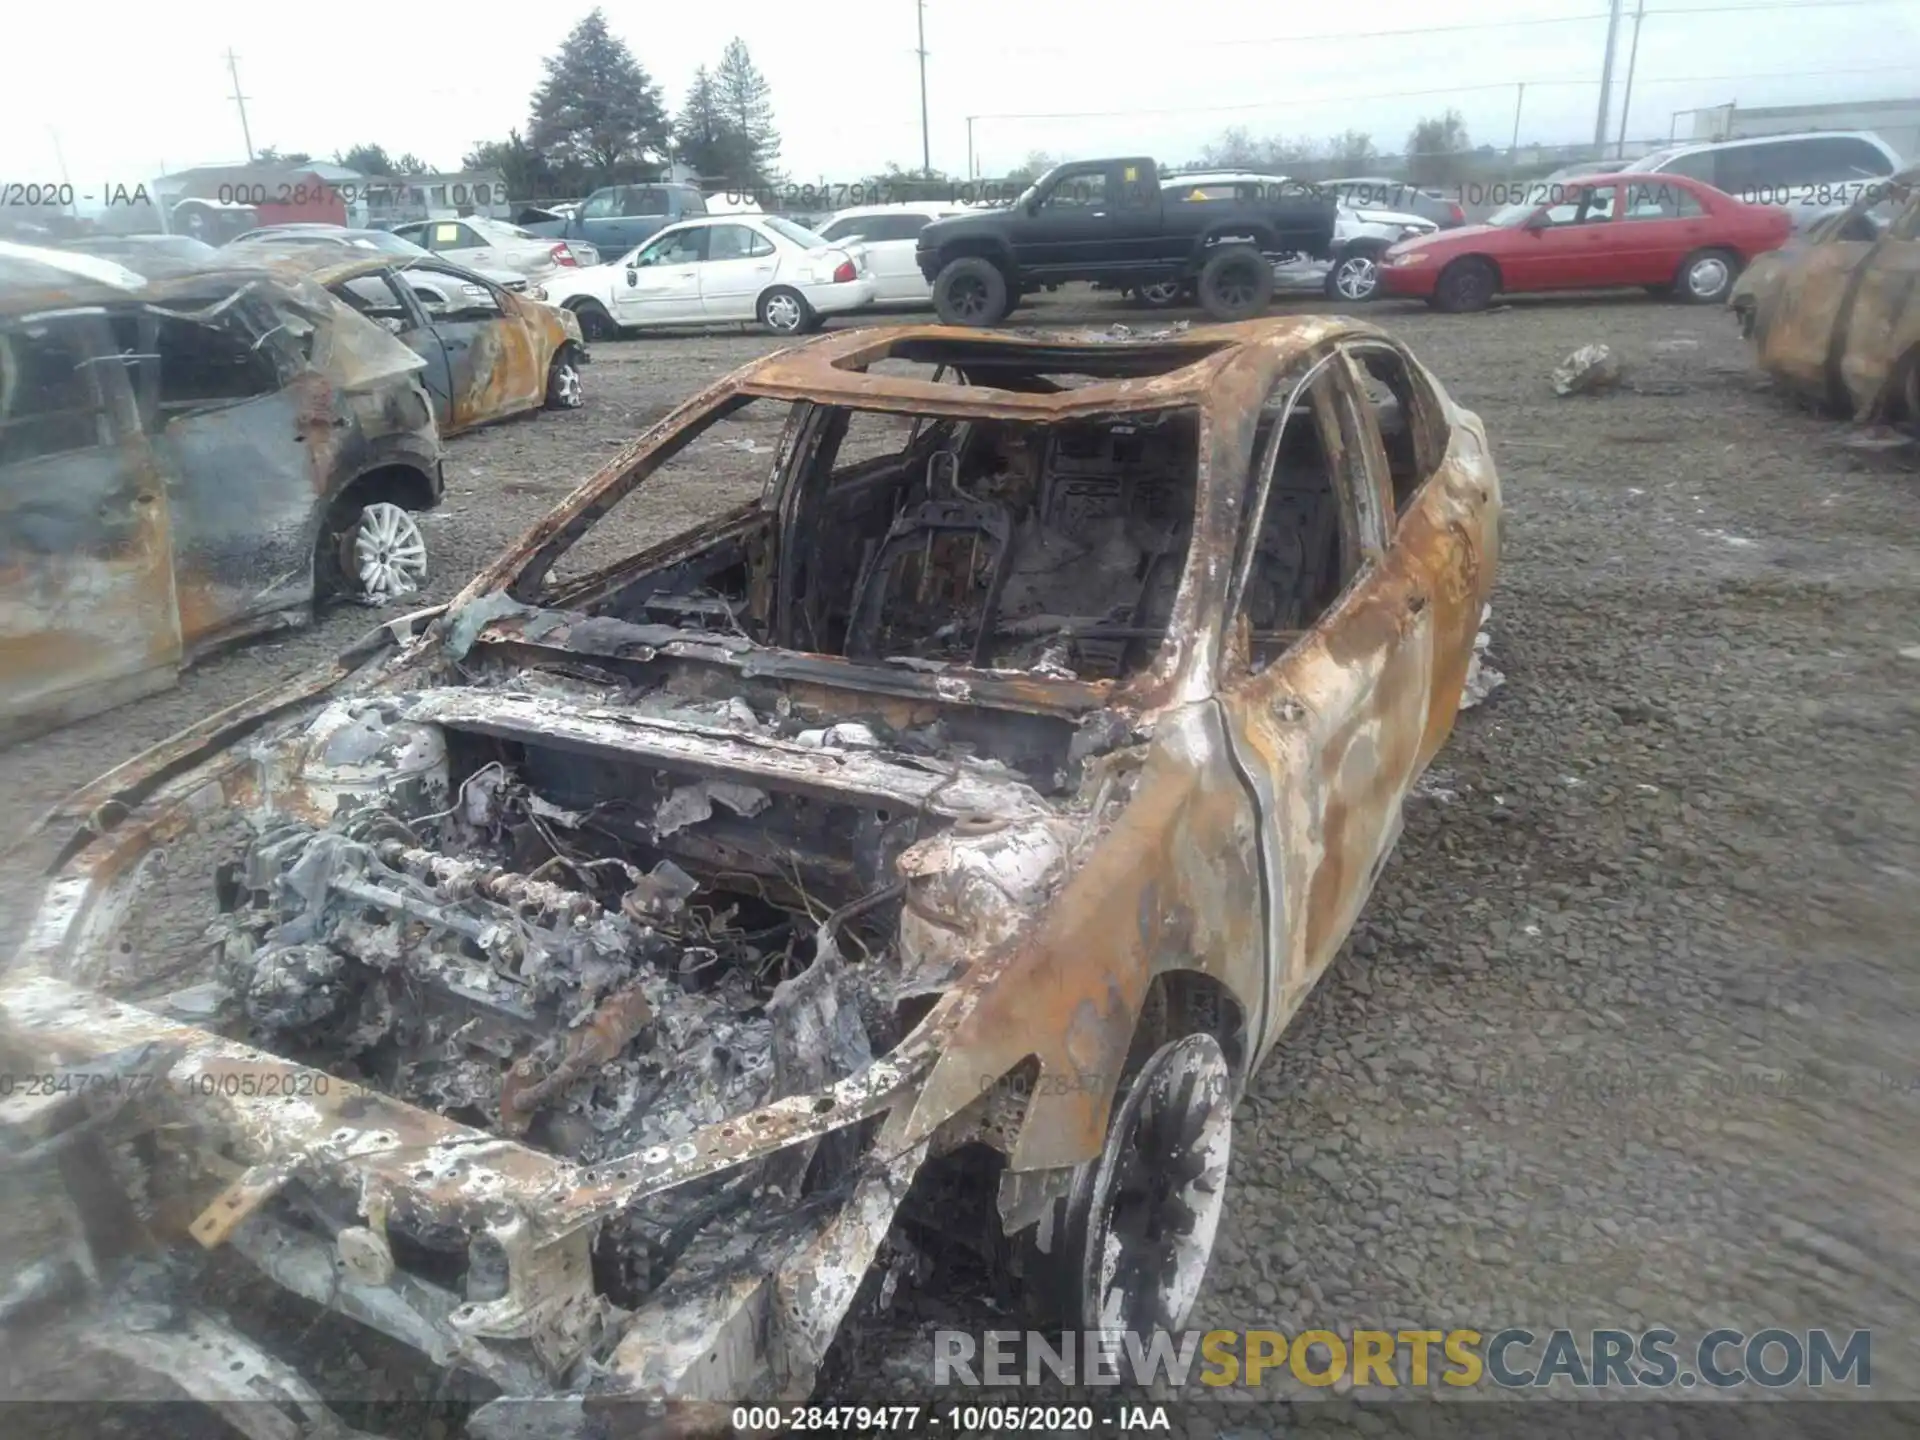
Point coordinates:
pixel 597 110
pixel 745 104
pixel 702 135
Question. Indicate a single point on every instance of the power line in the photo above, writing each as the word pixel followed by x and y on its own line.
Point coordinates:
pixel 1468 25
pixel 1772 5
pixel 1409 94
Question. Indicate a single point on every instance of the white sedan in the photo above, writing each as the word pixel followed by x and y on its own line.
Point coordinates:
pixel 889 234
pixel 482 244
pixel 719 269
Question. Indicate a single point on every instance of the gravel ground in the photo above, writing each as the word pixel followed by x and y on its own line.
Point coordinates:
pixel 1626 1035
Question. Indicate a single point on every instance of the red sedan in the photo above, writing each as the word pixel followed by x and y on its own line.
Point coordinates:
pixel 1668 233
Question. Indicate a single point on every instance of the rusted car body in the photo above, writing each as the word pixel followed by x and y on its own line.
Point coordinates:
pixel 1836 317
pixel 488 353
pixel 176 453
pixel 595 965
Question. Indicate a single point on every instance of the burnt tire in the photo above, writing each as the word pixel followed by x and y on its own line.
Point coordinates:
pixel 1127 1247
pixel 595 322
pixel 565 389
pixel 1706 276
pixel 785 311
pixel 971 291
pixel 1236 283
pixel 1467 284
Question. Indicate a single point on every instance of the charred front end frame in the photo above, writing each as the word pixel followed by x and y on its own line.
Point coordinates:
pixel 574 997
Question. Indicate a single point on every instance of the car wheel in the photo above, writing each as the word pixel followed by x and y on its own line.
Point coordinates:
pixel 1236 283
pixel 379 554
pixel 1355 277
pixel 1153 1201
pixel 1468 284
pixel 1706 276
pixel 595 322
pixel 1162 295
pixel 565 389
pixel 971 291
pixel 784 311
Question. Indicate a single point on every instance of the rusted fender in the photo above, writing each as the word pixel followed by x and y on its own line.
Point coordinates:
pixel 1171 885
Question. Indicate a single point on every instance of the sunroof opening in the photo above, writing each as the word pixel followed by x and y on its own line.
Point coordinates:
pixel 1000 363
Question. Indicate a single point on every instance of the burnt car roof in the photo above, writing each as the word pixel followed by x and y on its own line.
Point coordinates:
pixel 1124 372
pixel 328 265
pixel 355 353
pixel 33 279
pixel 320 263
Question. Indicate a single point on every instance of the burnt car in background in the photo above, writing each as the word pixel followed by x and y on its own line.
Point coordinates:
pixel 592 969
pixel 184 461
pixel 1835 316
pixel 488 353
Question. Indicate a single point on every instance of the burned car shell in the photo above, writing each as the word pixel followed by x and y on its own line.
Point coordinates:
pixel 155 501
pixel 1836 316
pixel 1196 873
pixel 483 364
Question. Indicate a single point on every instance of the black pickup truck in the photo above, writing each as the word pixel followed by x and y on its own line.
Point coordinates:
pixel 1107 221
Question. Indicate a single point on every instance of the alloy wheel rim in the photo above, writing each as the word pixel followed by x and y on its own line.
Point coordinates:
pixel 569 388
pixel 1162 294
pixel 386 553
pixel 969 297
pixel 1236 288
pixel 1358 275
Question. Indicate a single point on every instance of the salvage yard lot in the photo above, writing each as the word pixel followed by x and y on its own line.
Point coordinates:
pixel 1622 1037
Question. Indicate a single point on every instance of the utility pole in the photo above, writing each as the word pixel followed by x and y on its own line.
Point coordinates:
pixel 973 170
pixel 73 207
pixel 233 69
pixel 926 147
pixel 1518 101
pixel 1626 100
pixel 1606 79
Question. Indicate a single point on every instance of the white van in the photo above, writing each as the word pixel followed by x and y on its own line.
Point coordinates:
pixel 1811 174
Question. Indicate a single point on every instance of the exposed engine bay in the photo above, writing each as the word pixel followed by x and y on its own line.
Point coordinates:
pixel 496 960
pixel 598 956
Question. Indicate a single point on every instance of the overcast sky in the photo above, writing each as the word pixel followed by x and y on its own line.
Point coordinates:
pixel 147 87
